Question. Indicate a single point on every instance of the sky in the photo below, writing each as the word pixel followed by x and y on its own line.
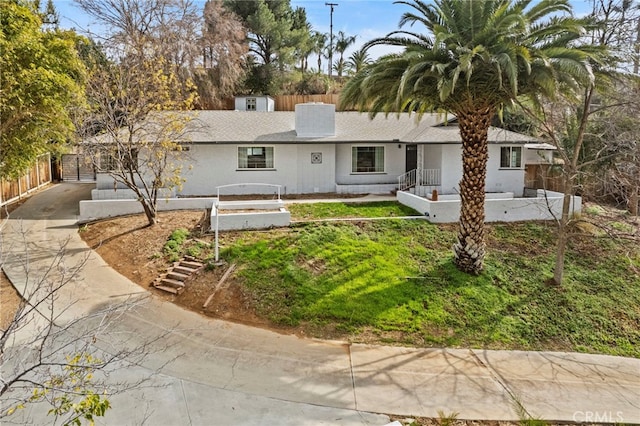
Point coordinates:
pixel 366 19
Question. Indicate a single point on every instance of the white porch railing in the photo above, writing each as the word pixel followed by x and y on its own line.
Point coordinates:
pixel 419 177
pixel 407 180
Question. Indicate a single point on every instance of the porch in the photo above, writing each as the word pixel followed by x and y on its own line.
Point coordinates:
pixel 420 182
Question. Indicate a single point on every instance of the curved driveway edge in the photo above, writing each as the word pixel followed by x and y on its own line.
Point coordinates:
pixel 225 373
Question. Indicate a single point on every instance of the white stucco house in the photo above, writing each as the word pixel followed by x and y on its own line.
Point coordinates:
pixel 318 150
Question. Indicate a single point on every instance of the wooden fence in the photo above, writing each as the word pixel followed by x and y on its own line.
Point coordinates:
pixel 37 176
pixel 288 102
pixel 543 176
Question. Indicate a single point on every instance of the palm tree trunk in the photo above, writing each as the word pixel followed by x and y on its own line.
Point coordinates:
pixel 469 250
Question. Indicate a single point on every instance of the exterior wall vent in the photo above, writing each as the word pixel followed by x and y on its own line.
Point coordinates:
pixel 315 120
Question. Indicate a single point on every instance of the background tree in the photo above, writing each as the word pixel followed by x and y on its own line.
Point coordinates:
pixel 358 60
pixel 620 127
pixel 320 47
pixel 275 31
pixel 42 78
pixel 473 58
pixel 224 55
pixel 343 42
pixel 164 29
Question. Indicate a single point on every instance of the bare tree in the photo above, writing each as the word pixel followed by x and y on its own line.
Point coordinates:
pixel 224 52
pixel 141 130
pixel 134 130
pixel 51 354
pixel 165 31
pixel 616 134
pixel 564 121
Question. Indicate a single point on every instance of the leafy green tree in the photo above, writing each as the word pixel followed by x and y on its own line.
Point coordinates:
pixel 473 58
pixel 42 80
pixel 277 35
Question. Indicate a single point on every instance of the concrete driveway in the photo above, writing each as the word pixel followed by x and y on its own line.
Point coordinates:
pixel 210 372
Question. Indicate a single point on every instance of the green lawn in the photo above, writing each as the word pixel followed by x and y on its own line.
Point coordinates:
pixel 314 211
pixel 394 280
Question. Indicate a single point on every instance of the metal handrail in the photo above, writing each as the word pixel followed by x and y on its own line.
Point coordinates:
pixel 419 177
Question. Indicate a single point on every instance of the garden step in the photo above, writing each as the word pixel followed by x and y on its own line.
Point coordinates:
pixel 191 264
pixel 172 283
pixel 177 276
pixel 169 289
pixel 184 270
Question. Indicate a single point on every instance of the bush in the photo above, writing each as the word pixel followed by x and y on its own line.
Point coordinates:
pixel 173 246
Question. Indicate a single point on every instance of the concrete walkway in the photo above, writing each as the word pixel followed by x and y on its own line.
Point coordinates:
pixel 223 373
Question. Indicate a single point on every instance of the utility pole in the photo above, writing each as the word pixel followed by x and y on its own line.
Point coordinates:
pixel 331 5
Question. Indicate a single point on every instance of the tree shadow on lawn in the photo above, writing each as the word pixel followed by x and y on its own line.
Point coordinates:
pixel 438 307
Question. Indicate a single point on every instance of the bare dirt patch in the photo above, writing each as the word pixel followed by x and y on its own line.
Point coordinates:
pixel 9 301
pixel 135 250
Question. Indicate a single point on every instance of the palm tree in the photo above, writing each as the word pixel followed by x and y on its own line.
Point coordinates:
pixel 474 58
pixel 319 46
pixel 343 42
pixel 358 60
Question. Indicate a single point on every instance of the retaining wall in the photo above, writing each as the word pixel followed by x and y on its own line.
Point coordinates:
pixel 100 209
pixel 257 215
pixel 381 188
pixel 544 206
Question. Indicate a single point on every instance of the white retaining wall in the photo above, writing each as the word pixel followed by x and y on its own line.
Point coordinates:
pixel 366 189
pixel 540 207
pixel 261 215
pixel 126 194
pixel 101 209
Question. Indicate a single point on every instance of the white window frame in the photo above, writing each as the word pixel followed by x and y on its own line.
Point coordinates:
pixel 251 104
pixel 243 157
pixel 377 170
pixel 515 160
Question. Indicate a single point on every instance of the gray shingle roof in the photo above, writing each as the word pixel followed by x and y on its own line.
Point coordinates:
pixel 233 127
pixel 279 127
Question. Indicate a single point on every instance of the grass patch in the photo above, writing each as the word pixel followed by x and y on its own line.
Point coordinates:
pixel 314 211
pixel 395 280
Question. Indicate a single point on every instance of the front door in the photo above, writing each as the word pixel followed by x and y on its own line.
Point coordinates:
pixel 411 159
